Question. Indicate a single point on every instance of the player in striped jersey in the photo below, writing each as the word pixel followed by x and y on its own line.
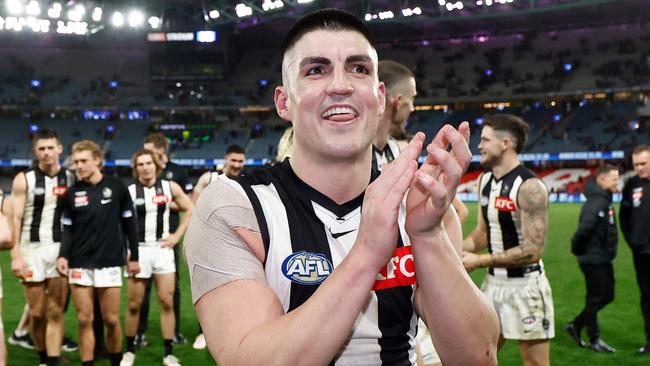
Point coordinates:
pixel 232 167
pixel 152 198
pixel 38 194
pixel 285 266
pixel 512 224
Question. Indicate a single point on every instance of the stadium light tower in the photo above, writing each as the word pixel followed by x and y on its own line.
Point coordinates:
pixel 154 22
pixel 243 10
pixel 33 8
pixel 97 14
pixel 117 19
pixel 136 18
pixel 14 7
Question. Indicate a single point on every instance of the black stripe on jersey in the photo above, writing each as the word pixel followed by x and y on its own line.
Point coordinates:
pixel 259 215
pixel 484 211
pixel 161 211
pixel 61 181
pixel 396 307
pixel 375 151
pixel 39 204
pixel 140 210
pixel 509 236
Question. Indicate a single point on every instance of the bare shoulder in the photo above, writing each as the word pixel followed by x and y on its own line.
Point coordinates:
pixel 533 195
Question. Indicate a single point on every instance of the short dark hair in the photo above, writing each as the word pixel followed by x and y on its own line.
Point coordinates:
pixel 392 73
pixel 45 134
pixel 235 149
pixel 641 148
pixel 158 140
pixel 605 169
pixel 512 124
pixel 327 19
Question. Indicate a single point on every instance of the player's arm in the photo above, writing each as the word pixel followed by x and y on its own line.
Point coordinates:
pixel 463 326
pixel 533 203
pixel 452 226
pixel 18 193
pixel 461 209
pixel 184 205
pixel 203 182
pixel 243 320
pixel 67 234
pixel 477 239
pixel 6 223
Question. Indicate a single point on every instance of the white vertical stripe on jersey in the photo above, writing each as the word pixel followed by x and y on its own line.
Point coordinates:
pixel 280 239
pixel 49 206
pixel 167 190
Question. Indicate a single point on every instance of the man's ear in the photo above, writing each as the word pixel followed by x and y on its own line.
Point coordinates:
pixel 282 103
pixel 381 97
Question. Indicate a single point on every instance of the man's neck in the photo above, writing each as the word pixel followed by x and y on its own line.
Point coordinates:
pixel 50 170
pixel 341 180
pixel 95 178
pixel 147 182
pixel 383 133
pixel 508 162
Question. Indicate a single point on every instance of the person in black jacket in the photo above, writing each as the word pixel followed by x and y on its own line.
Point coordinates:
pixel 594 243
pixel 97 215
pixel 635 213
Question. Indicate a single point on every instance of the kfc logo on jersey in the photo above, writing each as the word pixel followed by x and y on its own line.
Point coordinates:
pixel 399 271
pixel 307 268
pixel 159 199
pixel 503 203
pixel 81 201
pixel 59 190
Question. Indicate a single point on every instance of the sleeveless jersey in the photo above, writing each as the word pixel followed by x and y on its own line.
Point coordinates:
pixel 385 156
pixel 43 205
pixel 152 208
pixel 306 236
pixel 500 210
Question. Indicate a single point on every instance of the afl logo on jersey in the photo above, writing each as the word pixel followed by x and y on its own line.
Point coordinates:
pixel 139 201
pixel 306 268
pixel 503 203
pixel 39 191
pixel 484 200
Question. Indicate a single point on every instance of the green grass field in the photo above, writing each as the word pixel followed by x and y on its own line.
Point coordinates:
pixel 621 322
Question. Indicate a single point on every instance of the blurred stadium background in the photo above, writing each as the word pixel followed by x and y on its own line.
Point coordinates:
pixel 203 73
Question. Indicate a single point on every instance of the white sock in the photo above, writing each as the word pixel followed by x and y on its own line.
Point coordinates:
pixel 20 333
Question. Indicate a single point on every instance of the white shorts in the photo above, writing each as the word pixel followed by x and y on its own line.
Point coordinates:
pixel 427 350
pixel 154 260
pixel 524 306
pixel 96 277
pixel 40 260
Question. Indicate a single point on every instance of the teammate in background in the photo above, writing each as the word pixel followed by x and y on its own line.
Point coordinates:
pixel 152 198
pixel 6 242
pixel 20 336
pixel 233 166
pixel 512 224
pixel 97 215
pixel 284 145
pixel 157 142
pixel 594 243
pixel 37 196
pixel 634 217
pixel 295 248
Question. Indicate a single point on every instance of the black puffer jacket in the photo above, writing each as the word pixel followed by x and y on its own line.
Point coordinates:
pixel 596 238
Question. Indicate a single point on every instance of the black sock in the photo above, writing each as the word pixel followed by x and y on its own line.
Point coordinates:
pixel 53 361
pixel 115 358
pixel 130 344
pixel 88 363
pixel 168 347
pixel 42 357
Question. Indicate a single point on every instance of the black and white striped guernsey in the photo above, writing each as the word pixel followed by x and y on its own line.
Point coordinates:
pixel 500 210
pixel 385 156
pixel 43 205
pixel 152 208
pixel 306 236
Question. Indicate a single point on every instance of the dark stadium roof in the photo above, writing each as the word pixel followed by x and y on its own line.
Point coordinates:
pixel 436 22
